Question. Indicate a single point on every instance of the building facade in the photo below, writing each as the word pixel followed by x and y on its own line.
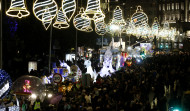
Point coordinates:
pixel 176 13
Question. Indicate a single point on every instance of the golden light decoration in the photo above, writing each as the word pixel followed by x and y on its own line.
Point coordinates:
pixel 61 21
pixel 139 18
pixel 92 10
pixel 40 6
pixel 130 28
pixel 118 17
pixel 81 23
pixel 100 26
pixel 172 33
pixel 69 7
pixel 17 9
pixel 117 24
pixel 45 17
pixel 69 87
pixel 164 32
pixel 155 27
pixel 145 32
pixel 138 31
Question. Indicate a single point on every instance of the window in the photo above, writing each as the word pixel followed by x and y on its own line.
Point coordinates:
pixel 163 7
pixel 160 7
pixel 168 6
pixel 173 16
pixel 172 6
pixel 169 17
pixel 177 6
pixel 182 6
pixel 182 17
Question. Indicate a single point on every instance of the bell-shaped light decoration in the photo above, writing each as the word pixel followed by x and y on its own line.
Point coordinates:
pixel 155 28
pixel 82 24
pixel 92 10
pixel 164 32
pixel 118 17
pixel 69 7
pixel 17 9
pixel 139 18
pixel 61 21
pixel 45 17
pixel 40 6
pixel 100 26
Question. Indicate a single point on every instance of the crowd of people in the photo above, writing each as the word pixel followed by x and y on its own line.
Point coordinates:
pixel 155 84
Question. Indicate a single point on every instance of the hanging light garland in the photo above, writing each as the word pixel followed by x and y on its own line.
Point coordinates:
pixel 46 19
pixel 138 31
pixel 172 33
pixel 139 18
pixel 69 7
pixel 92 10
pixel 145 32
pixel 82 24
pixel 61 21
pixel 164 32
pixel 17 9
pixel 39 7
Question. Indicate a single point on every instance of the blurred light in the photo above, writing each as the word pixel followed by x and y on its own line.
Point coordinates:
pixel 129 48
pixel 49 95
pixel 33 96
pixel 138 60
pixel 114 27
